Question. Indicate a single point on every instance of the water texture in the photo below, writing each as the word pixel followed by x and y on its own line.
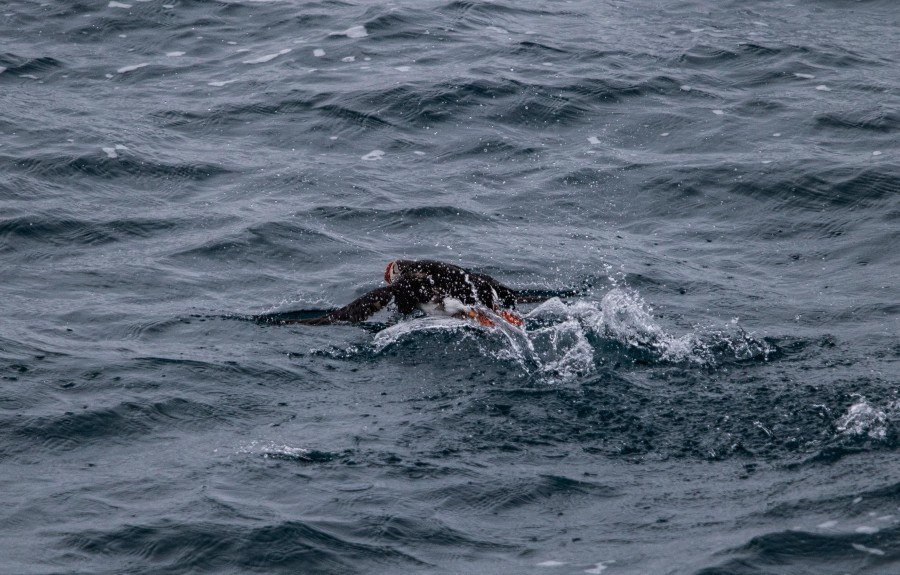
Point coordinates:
pixel 719 181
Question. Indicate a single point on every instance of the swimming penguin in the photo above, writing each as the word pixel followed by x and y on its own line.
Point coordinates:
pixel 434 287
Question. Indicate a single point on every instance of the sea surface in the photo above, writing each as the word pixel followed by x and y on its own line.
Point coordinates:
pixel 717 181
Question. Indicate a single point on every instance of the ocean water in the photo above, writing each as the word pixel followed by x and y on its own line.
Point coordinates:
pixel 719 180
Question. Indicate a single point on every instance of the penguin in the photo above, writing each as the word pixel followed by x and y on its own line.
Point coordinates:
pixel 434 287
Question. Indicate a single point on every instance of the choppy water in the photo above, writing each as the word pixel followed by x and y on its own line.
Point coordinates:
pixel 724 177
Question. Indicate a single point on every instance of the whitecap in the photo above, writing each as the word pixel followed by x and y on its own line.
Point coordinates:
pixel 804 76
pixel 119 5
pixel 823 88
pixel 132 68
pixel 598 568
pixel 402 68
pixel 348 59
pixel 111 153
pixel 594 140
pixel 827 524
pixel 267 57
pixel 718 112
pixel 864 549
pixel 174 54
pixel 373 155
pixel 352 32
pixel 876 153
pixel 318 52
pixel 220 83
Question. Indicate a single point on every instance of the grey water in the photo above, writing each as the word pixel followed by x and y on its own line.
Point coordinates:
pixel 720 181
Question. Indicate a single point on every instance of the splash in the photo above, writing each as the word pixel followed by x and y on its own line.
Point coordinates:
pixel 865 420
pixel 563 340
pixel 274 450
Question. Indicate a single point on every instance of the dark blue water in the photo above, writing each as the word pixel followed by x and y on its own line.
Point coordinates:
pixel 722 177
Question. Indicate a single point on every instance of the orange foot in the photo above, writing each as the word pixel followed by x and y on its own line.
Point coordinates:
pixel 481 318
pixel 512 318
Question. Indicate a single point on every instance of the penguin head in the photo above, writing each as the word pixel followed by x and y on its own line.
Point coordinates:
pixel 392 272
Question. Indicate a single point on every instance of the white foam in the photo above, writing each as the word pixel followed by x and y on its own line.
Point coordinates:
pixel 29 76
pixel 111 153
pixel 827 524
pixel 866 529
pixel 373 155
pixel 551 563
pixel 174 54
pixel 318 52
pixel 876 153
pixel 718 112
pixel 402 68
pixel 664 134
pixel 865 549
pixel 804 76
pixel 767 161
pixel 352 32
pixel 823 88
pixel 395 332
pixel 419 153
pixel 132 68
pixel 776 135
pixel 598 568
pixel 267 57
pixel 594 140
pixel 120 147
pixel 220 83
pixel 119 5
pixel 496 30
pixel 863 419
pixel 686 88
pixel 348 59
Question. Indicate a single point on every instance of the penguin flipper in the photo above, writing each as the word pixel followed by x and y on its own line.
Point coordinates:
pixel 358 310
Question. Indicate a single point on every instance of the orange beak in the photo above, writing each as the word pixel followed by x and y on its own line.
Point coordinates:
pixel 387 273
